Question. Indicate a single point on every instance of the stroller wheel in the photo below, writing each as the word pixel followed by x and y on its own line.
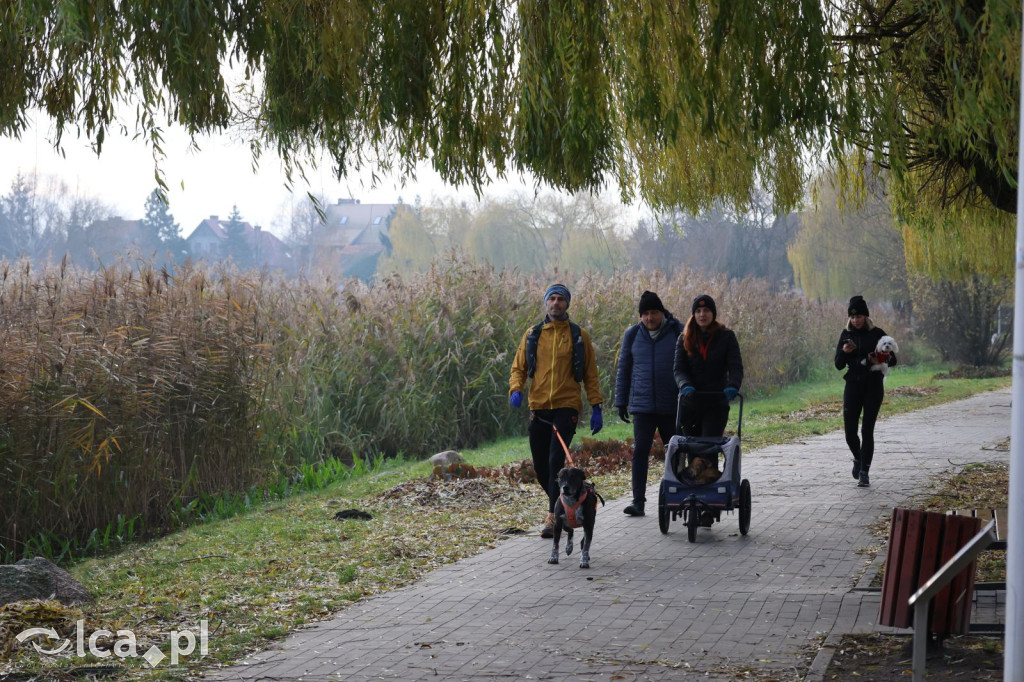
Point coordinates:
pixel 662 513
pixel 744 507
pixel 692 518
pixel 692 522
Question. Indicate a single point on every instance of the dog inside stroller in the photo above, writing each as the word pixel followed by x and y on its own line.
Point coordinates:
pixel 702 479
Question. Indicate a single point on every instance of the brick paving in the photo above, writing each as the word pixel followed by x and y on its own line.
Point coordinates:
pixel 654 606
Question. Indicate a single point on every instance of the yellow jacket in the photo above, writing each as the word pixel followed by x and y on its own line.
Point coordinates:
pixel 553 385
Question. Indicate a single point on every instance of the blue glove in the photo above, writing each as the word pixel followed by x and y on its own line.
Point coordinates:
pixel 596 422
pixel 731 393
pixel 687 390
pixel 516 399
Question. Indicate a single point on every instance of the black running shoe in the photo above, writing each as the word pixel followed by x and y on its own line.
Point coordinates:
pixel 635 509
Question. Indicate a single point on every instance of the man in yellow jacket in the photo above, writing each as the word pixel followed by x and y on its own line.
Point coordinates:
pixel 557 356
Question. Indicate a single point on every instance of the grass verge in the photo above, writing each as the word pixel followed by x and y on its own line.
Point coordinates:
pixel 256 577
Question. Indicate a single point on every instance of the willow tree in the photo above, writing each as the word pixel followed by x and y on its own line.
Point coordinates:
pixel 500 236
pixel 409 247
pixel 932 98
pixel 844 249
pixel 682 103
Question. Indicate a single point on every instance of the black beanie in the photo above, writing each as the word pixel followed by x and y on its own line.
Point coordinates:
pixel 650 301
pixel 858 306
pixel 705 301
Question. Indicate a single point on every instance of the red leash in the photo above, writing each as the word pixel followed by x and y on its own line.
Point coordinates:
pixel 565 447
pixel 568 457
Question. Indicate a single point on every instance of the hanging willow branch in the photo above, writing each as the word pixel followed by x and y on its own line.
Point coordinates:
pixel 683 103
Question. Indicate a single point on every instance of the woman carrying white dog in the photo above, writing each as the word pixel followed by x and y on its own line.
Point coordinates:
pixel 864 388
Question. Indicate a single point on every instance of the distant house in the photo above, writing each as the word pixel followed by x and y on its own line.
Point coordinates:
pixel 104 241
pixel 210 241
pixel 351 239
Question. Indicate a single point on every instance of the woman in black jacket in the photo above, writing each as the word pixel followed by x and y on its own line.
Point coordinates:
pixel 864 389
pixel 707 361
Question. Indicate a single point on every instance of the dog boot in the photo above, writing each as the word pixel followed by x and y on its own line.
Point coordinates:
pixel 634 509
pixel 856 468
pixel 548 529
pixel 863 482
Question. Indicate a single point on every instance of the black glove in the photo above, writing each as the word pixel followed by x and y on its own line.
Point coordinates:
pixel 624 413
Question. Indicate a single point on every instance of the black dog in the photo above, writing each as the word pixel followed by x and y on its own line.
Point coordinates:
pixel 576 506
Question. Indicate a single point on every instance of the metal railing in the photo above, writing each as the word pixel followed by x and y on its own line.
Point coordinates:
pixel 924 595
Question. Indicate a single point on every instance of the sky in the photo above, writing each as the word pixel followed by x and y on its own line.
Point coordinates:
pixel 201 183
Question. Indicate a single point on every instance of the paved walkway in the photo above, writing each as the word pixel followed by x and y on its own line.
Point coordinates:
pixel 653 606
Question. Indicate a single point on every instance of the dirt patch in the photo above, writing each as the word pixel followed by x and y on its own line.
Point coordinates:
pixel 823 410
pixel 883 658
pixel 472 493
pixel 831 408
pixel 912 391
pixel 1000 446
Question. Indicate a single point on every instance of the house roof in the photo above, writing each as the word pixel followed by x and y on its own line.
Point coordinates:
pixel 213 226
pixel 256 236
pixel 116 229
pixel 350 222
pixel 269 248
pixel 104 240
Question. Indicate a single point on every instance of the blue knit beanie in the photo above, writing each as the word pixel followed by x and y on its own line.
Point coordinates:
pixel 558 289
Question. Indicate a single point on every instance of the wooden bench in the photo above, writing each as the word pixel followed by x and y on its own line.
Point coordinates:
pixel 1000 516
pixel 920 543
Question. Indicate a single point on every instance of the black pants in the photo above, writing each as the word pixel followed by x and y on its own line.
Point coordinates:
pixel 547 452
pixel 863 396
pixel 703 416
pixel 644 426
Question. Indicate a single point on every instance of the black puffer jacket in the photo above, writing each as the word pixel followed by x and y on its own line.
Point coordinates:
pixel 866 340
pixel 722 366
pixel 644 381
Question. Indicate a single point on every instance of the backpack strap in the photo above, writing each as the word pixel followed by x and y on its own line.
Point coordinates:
pixel 531 349
pixel 578 352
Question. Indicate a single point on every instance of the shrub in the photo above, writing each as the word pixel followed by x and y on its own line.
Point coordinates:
pixel 961 318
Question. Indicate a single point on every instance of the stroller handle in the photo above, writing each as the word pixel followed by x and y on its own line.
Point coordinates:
pixel 739 396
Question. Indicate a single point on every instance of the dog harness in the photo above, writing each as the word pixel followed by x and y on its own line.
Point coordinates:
pixel 575 520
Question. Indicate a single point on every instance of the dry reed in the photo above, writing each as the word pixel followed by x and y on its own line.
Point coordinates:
pixel 130 392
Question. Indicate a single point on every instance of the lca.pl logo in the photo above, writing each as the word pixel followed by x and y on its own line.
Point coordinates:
pixel 183 643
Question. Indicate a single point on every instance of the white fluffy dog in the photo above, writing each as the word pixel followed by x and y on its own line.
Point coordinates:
pixel 879 359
